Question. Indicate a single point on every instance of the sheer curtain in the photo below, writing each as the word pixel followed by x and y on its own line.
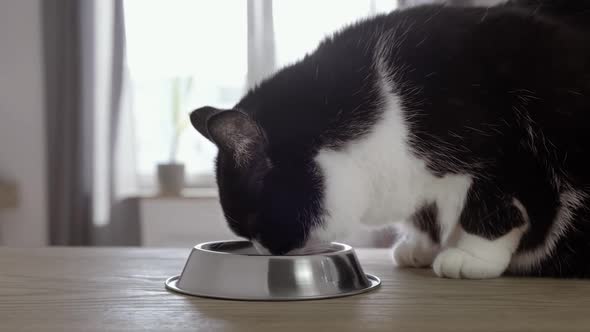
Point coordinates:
pixel 109 102
pixel 261 41
pixel 90 155
pixel 69 165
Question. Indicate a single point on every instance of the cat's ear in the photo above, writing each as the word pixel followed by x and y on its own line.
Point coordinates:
pixel 199 118
pixel 234 132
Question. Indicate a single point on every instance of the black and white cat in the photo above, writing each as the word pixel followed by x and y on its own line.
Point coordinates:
pixel 469 127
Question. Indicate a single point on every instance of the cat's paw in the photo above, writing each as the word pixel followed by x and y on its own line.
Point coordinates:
pixel 457 263
pixel 406 253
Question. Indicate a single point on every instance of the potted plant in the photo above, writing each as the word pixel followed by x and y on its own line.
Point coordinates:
pixel 171 173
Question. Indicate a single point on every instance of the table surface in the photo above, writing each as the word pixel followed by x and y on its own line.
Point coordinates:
pixel 122 289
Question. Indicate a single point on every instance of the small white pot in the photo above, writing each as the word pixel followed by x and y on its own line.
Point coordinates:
pixel 171 179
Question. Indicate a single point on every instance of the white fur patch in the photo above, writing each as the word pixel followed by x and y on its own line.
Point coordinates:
pixel 376 179
pixel 475 257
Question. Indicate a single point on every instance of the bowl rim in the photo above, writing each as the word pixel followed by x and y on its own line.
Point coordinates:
pixel 201 247
pixel 171 284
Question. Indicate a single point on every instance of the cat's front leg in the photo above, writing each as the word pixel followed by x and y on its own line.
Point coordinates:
pixel 414 249
pixel 475 257
pixel 489 232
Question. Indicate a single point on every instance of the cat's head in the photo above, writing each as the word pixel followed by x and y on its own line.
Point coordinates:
pixel 273 201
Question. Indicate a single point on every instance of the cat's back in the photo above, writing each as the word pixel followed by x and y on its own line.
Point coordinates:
pixel 575 13
pixel 506 66
pixel 453 61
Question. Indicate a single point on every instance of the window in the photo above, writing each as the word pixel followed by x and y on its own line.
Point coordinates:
pixel 183 54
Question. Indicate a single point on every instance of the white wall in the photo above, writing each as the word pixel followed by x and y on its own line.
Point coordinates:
pixel 22 131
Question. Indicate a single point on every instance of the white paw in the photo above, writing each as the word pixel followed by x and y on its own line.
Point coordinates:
pixel 406 253
pixel 457 263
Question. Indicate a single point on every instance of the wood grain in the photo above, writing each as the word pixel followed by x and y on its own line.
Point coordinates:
pixel 122 289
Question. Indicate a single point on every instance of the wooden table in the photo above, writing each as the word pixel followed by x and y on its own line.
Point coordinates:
pixel 122 289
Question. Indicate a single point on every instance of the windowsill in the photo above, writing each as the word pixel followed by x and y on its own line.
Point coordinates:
pixel 187 193
pixel 197 186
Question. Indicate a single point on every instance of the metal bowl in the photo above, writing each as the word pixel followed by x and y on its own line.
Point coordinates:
pixel 235 270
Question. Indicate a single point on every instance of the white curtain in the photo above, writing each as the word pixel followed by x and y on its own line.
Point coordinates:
pixel 114 173
pixel 261 44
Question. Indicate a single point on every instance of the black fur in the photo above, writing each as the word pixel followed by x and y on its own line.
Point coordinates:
pixel 501 94
pixel 489 83
pixel 425 219
pixel 573 12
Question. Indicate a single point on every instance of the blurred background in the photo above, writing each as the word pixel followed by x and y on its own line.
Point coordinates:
pixel 95 144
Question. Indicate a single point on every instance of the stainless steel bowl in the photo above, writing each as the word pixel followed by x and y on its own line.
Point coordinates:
pixel 234 270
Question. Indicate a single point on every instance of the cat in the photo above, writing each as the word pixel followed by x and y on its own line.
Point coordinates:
pixel 466 127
